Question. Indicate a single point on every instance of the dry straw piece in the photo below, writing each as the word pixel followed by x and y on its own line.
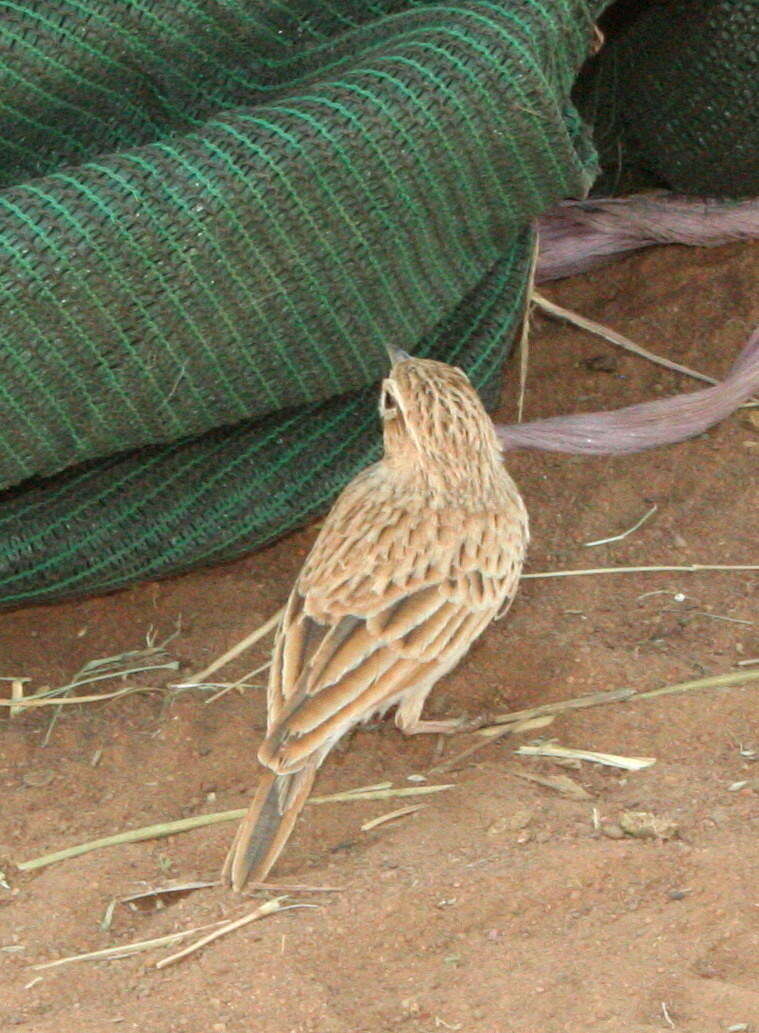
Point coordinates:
pixel 217 929
pixel 170 828
pixel 611 760
pixel 390 816
pixel 492 733
pixel 599 330
pixel 126 950
pixel 269 908
pixel 562 784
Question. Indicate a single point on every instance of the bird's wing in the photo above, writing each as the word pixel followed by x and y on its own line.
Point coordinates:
pixel 385 602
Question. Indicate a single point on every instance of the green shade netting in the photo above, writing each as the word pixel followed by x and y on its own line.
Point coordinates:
pixel 214 215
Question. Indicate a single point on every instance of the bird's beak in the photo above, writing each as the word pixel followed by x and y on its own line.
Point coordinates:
pixel 396 354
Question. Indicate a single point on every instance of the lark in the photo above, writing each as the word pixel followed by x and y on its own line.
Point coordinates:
pixel 417 556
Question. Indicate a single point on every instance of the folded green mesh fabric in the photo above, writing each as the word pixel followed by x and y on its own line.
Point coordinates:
pixel 673 96
pixel 214 216
pixel 215 213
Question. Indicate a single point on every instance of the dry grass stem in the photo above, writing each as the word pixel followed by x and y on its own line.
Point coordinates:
pixel 720 617
pixel 170 828
pixel 158 831
pixel 578 703
pixel 559 783
pixel 524 342
pixel 241 683
pixel 17 694
pixel 599 330
pixel 618 537
pixel 269 908
pixel 691 568
pixel 157 893
pixel 390 816
pixel 43 700
pixel 105 668
pixel 492 734
pixel 380 794
pixel 716 681
pixel 610 760
pixel 258 887
pixel 239 647
pixel 371 788
pixel 621 695
pixel 126 950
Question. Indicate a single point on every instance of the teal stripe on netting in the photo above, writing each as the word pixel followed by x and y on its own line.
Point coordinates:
pixel 422 219
pixel 260 257
pixel 89 545
pixel 91 115
pixel 317 286
pixel 496 59
pixel 170 31
pixel 36 428
pixel 181 257
pixel 443 138
pixel 153 270
pixel 219 28
pixel 245 14
pixel 83 338
pixel 132 247
pixel 50 130
pixel 420 299
pixel 323 240
pixel 46 58
pixel 488 105
pixel 111 491
pixel 440 198
pixel 92 14
pixel 353 432
pixel 142 369
pixel 187 502
pixel 498 334
pixel 74 484
pixel 355 229
pixel 484 151
pixel 27 152
pixel 490 302
pixel 215 300
pixel 242 285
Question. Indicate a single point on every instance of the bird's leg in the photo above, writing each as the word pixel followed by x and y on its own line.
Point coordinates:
pixel 408 719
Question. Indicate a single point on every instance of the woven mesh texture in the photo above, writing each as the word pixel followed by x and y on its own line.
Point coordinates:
pixel 674 96
pixel 214 216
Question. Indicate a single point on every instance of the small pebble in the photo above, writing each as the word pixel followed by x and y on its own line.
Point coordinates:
pixel 644 825
pixel 603 363
pixel 612 830
pixel 678 894
pixel 510 823
pixel 38 777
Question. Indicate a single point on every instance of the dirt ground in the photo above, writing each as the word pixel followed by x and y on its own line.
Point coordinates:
pixel 500 906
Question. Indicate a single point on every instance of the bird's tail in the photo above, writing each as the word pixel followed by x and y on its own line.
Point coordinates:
pixel 266 827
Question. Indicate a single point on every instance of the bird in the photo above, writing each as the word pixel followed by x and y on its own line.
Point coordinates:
pixel 420 552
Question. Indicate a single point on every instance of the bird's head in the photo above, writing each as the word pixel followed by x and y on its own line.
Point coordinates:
pixel 434 421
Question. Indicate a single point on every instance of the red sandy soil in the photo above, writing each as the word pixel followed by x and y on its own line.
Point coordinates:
pixel 498 907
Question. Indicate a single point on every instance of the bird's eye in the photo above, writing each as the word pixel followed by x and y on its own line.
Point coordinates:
pixel 388 401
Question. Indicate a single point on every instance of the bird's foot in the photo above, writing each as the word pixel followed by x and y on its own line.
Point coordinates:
pixel 447 726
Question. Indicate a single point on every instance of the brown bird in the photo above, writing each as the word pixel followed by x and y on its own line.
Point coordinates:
pixel 419 553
